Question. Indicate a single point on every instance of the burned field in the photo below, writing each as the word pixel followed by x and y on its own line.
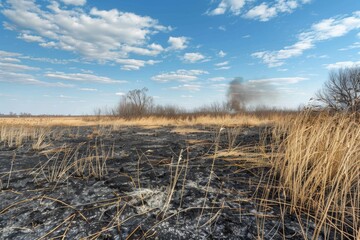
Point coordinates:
pixel 106 182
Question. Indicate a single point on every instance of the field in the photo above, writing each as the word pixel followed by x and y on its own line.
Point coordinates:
pixel 246 176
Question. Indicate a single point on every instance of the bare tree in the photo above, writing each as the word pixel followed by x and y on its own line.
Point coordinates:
pixel 342 90
pixel 135 103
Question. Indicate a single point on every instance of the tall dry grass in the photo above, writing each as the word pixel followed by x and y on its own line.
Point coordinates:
pixel 249 119
pixel 317 160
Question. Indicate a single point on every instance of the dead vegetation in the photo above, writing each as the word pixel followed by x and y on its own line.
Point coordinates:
pixel 305 165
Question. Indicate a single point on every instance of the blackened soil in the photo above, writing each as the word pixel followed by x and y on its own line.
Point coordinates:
pixel 138 183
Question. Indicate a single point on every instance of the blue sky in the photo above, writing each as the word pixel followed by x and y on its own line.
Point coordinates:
pixel 71 56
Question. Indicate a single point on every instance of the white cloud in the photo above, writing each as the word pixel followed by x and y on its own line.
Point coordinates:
pixel 74 2
pixel 120 94
pixel 222 64
pixel 262 12
pixel 187 87
pixel 221 53
pixel 82 77
pixel 232 6
pixel 265 11
pixel 223 68
pixel 352 46
pixel 179 76
pixel 193 57
pixel 15 67
pixel 31 38
pixel 186 96
pixel 67 97
pixel 134 64
pixel 278 81
pixel 178 43
pixel 88 89
pixel 152 50
pixel 22 78
pixel 217 79
pixel 324 30
pixel 98 35
pixel 344 64
pixel 222 28
pixel 9 54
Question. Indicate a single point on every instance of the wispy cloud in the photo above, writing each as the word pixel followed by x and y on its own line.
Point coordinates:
pixel 88 89
pixel 223 68
pixel 82 77
pixel 278 81
pixel 15 67
pixel 22 78
pixel 187 96
pixel 217 79
pixel 74 2
pixel 352 46
pixel 222 64
pixel 344 64
pixel 321 31
pixel 179 76
pixel 188 87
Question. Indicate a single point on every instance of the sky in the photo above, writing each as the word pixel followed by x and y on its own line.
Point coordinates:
pixel 73 56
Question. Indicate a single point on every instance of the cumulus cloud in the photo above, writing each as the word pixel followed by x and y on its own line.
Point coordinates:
pixel 321 31
pixel 74 2
pixel 134 64
pixel 232 6
pixel 344 64
pixel 82 77
pixel 193 57
pixel 179 76
pixel 178 43
pixel 262 12
pixel 30 38
pixel 101 35
pixel 265 11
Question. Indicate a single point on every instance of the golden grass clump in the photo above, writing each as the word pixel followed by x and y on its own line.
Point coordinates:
pixel 317 158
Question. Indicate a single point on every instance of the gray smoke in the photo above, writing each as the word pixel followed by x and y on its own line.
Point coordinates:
pixel 241 94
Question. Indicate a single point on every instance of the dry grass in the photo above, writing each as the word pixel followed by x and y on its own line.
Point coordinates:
pixel 317 160
pixel 246 119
